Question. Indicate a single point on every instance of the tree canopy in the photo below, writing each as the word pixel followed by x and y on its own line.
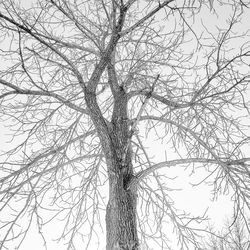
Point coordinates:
pixel 86 87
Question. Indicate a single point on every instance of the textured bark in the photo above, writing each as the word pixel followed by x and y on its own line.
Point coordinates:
pixel 121 210
pixel 121 216
pixel 115 139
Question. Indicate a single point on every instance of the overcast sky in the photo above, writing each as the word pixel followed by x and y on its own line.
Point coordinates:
pixel 193 199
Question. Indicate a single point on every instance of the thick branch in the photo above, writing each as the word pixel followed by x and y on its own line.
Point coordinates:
pixel 90 90
pixel 42 173
pixel 192 133
pixel 161 99
pixel 21 91
pixel 150 14
pixel 144 173
pixel 39 39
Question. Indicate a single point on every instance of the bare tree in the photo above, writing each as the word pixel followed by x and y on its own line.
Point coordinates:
pixel 234 236
pixel 86 85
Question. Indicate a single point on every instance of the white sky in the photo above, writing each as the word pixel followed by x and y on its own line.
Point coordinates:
pixel 196 200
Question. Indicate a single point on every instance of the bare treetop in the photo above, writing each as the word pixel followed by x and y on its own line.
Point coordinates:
pixel 85 85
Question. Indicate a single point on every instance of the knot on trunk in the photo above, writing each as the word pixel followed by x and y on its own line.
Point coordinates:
pixel 127 179
pixel 132 245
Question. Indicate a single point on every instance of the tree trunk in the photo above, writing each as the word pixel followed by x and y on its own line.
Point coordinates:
pixel 115 139
pixel 121 215
pixel 121 209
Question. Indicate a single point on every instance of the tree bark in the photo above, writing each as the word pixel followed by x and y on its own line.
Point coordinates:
pixel 121 215
pixel 115 139
pixel 121 209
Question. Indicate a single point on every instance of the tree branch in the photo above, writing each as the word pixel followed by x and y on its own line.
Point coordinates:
pixel 44 155
pixel 39 39
pixel 144 173
pixel 141 21
pixel 20 91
